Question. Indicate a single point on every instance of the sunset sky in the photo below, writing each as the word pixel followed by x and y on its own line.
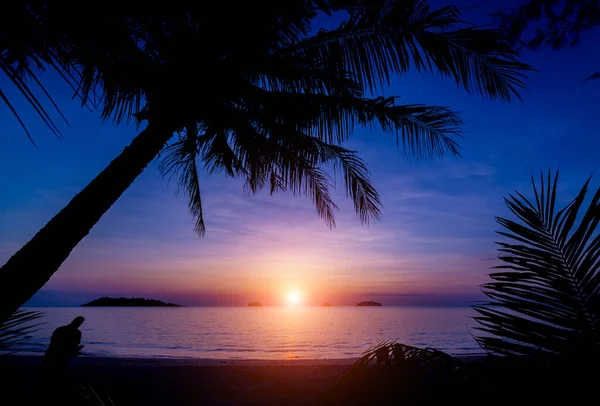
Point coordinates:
pixel 434 244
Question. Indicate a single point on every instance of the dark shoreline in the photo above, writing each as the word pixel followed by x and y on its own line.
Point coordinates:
pixel 91 360
pixel 167 381
pixel 180 381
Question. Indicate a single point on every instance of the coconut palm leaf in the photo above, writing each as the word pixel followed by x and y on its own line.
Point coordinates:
pixel 285 161
pixel 405 355
pixel 18 75
pixel 19 51
pixel 180 160
pixel 593 76
pixel 385 38
pixel 18 328
pixel 426 131
pixel 544 301
pixel 255 143
pixel 408 375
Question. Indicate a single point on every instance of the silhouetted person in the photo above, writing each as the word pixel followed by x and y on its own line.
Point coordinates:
pixel 64 344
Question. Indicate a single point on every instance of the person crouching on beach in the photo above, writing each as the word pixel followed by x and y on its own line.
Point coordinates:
pixel 64 344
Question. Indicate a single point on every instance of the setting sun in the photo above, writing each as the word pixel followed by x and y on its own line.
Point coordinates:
pixel 294 298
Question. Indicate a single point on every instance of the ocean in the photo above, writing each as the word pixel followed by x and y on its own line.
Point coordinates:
pixel 257 332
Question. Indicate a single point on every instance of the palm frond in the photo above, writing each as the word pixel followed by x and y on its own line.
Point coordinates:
pixel 544 301
pixel 217 154
pixel 312 182
pixel 285 162
pixel 18 328
pixel 179 160
pixel 289 159
pixel 357 183
pixel 593 76
pixel 425 131
pixel 17 77
pixel 478 60
pixel 403 374
pixel 356 177
pixel 304 74
pixel 281 140
pixel 403 355
pixel 382 39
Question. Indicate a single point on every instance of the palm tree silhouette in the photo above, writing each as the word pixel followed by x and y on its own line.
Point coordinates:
pixel 543 300
pixel 254 92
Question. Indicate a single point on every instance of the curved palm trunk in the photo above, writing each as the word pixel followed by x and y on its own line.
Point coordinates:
pixel 33 265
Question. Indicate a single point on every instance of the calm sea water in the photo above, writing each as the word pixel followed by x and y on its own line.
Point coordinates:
pixel 259 332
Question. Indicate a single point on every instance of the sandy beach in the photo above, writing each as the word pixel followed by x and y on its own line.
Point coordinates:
pixel 149 382
pixel 143 381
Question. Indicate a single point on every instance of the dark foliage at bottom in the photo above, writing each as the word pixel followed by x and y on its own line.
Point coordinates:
pixel 431 377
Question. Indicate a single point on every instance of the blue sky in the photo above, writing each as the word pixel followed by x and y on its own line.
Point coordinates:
pixel 434 244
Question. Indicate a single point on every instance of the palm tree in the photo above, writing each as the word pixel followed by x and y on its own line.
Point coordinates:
pixel 253 92
pixel 544 301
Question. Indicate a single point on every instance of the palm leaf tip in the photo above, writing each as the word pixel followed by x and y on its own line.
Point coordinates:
pixel 484 62
pixel 366 199
pixel 18 73
pixel 179 161
pixel 593 76
pixel 18 328
pixel 544 299
pixel 317 188
pixel 426 131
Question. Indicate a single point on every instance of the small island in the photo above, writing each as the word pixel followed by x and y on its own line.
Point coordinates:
pixel 369 303
pixel 254 304
pixel 132 302
pixel 326 304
